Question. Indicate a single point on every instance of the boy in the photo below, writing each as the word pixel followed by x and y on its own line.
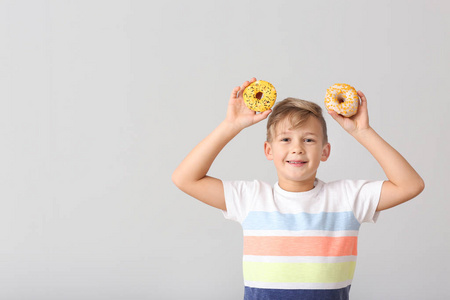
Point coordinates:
pixel 300 235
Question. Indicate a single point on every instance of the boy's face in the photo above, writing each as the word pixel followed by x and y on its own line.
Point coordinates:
pixel 297 154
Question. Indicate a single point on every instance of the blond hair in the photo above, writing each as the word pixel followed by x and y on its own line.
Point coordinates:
pixel 297 111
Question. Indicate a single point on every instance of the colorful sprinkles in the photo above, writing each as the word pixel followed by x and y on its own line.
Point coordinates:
pixel 257 88
pixel 343 99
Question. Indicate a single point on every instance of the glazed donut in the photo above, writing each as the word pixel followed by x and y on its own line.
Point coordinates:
pixel 260 96
pixel 343 99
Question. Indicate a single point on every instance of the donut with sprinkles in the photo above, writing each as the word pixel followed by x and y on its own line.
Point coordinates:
pixel 260 96
pixel 343 99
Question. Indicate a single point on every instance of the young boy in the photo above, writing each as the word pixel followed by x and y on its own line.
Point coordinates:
pixel 300 236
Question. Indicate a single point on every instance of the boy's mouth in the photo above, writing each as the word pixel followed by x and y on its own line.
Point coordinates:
pixel 296 163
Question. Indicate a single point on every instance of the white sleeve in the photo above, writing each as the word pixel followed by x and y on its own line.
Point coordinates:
pixel 239 197
pixel 363 197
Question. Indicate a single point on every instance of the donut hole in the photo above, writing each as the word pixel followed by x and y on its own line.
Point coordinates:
pixel 259 95
pixel 340 98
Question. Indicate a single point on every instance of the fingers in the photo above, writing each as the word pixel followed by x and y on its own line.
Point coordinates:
pixel 237 90
pixel 247 83
pixel 243 87
pixel 361 94
pixel 234 93
pixel 363 98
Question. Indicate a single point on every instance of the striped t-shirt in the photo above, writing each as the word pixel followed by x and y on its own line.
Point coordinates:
pixel 300 245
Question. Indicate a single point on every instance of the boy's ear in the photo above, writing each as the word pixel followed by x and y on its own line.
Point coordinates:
pixel 325 152
pixel 268 150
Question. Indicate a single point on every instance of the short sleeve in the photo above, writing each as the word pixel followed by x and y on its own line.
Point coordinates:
pixel 239 197
pixel 363 197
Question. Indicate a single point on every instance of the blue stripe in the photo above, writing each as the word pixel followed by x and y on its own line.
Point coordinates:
pixel 331 221
pixel 276 294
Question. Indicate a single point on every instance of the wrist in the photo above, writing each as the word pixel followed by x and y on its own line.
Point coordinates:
pixel 361 134
pixel 230 127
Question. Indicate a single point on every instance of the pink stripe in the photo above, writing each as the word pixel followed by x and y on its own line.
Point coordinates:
pixel 300 246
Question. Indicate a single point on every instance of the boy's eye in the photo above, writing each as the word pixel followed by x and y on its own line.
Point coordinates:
pixel 309 140
pixel 285 139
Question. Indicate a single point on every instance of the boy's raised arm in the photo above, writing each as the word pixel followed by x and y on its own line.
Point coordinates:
pixel 403 181
pixel 191 175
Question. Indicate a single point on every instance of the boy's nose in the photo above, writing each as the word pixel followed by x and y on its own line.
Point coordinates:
pixel 297 149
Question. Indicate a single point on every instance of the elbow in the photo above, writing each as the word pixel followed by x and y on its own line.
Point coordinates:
pixel 417 188
pixel 179 180
pixel 413 190
pixel 420 186
pixel 176 179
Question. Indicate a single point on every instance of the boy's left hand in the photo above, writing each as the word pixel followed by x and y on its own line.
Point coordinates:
pixel 356 123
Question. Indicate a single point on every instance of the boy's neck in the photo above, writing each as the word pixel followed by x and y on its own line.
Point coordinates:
pixel 297 186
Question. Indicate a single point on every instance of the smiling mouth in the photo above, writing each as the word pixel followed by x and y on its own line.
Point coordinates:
pixel 296 162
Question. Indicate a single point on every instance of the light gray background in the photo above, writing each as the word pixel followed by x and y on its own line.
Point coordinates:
pixel 100 101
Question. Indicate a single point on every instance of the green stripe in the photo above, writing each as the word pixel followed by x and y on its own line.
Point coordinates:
pixel 299 272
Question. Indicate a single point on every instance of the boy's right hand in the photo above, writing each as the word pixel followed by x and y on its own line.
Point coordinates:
pixel 238 114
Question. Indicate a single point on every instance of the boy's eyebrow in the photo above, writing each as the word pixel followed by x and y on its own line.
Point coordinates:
pixel 282 133
pixel 310 133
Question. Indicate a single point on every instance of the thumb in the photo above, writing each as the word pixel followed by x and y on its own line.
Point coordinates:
pixel 262 116
pixel 337 117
